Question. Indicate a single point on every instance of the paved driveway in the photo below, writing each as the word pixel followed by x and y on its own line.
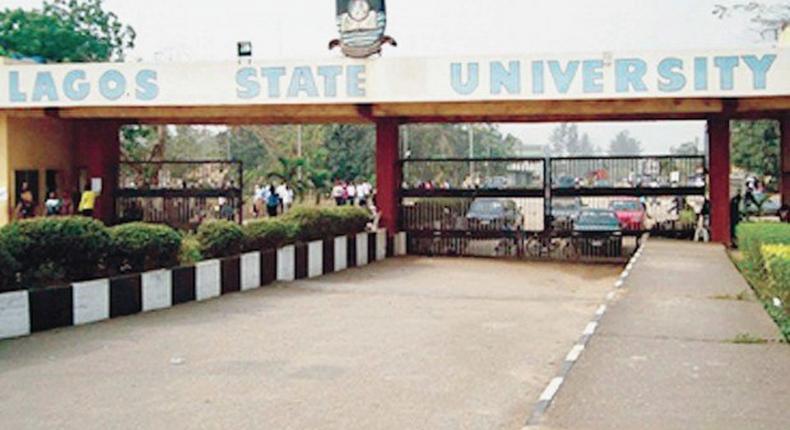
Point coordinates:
pixel 405 343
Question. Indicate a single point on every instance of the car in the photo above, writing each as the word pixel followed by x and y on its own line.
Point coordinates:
pixel 564 212
pixel 597 233
pixel 495 182
pixel 630 213
pixel 494 214
pixel 566 182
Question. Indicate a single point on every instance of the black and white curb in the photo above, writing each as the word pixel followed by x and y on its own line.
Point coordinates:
pixel 550 392
pixel 26 312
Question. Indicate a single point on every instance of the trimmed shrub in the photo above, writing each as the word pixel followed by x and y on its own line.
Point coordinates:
pixel 8 268
pixel 777 268
pixel 57 249
pixel 268 233
pixel 752 237
pixel 347 220
pixel 139 247
pixel 220 239
pixel 190 250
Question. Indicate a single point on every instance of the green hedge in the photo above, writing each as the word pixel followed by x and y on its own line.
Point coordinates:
pixel 219 239
pixel 268 233
pixel 752 237
pixel 57 249
pixel 777 270
pixel 315 224
pixel 8 268
pixel 139 247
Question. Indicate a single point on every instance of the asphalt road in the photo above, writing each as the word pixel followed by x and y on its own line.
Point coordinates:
pixel 405 343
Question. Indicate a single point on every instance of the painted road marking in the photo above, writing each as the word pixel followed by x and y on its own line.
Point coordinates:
pixel 590 329
pixel 601 310
pixel 610 296
pixel 575 353
pixel 551 389
pixel 619 284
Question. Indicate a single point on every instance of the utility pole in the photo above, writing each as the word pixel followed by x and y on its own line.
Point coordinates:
pixel 299 147
pixel 471 151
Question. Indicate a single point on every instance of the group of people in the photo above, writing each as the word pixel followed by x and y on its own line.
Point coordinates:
pixel 352 194
pixel 272 201
pixel 56 203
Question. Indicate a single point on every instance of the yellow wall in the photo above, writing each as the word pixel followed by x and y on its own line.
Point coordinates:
pixel 36 144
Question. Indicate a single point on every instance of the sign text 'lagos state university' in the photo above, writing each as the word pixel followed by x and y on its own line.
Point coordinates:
pixel 689 74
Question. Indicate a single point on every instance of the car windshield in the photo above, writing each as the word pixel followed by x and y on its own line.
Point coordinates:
pixel 487 207
pixel 627 205
pixel 598 218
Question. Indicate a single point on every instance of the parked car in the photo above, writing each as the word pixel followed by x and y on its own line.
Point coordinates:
pixel 597 233
pixel 493 214
pixel 630 213
pixel 495 183
pixel 566 182
pixel 564 212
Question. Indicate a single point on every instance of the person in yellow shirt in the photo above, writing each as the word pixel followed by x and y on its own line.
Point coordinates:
pixel 87 202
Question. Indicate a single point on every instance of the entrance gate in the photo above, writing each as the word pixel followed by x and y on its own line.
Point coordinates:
pixel 580 208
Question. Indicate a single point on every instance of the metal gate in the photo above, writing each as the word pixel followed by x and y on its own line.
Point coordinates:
pixel 582 208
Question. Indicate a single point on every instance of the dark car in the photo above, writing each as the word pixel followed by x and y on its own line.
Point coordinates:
pixel 597 233
pixel 565 182
pixel 564 212
pixel 494 214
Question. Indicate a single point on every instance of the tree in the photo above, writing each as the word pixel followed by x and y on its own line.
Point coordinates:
pixel 624 144
pixel 755 147
pixel 65 31
pixel 585 146
pixel 351 151
pixel 687 148
pixel 768 17
pixel 564 140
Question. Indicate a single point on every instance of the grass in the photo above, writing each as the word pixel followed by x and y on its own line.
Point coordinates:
pixel 759 283
pixel 748 339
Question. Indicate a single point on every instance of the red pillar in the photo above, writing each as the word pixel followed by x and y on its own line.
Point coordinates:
pixel 388 173
pixel 99 152
pixel 785 160
pixel 719 156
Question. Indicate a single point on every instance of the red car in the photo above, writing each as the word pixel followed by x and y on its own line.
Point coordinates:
pixel 630 213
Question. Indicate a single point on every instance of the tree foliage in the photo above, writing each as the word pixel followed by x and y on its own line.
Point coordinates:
pixel 65 31
pixel 756 146
pixel 565 140
pixel 770 16
pixel 686 148
pixel 625 144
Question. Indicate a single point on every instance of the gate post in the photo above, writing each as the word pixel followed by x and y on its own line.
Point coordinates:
pixel 784 187
pixel 719 156
pixel 99 150
pixel 388 173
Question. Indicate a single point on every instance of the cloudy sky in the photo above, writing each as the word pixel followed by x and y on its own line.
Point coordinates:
pixel 192 30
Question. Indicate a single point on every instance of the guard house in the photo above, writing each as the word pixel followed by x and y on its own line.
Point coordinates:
pixel 59 123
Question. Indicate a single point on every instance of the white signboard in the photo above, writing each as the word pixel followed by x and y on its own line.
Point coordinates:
pixel 3 194
pixel 728 73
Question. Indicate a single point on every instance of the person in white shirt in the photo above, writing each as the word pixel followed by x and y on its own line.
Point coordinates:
pixel 363 191
pixel 352 194
pixel 337 194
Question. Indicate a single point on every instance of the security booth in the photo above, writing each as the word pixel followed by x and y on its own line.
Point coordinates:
pixel 65 118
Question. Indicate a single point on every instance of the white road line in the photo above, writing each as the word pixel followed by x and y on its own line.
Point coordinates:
pixel 601 310
pixel 590 329
pixel 551 389
pixel 610 296
pixel 625 274
pixel 618 284
pixel 575 353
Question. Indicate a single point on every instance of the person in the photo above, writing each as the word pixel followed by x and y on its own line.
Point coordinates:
pixel 287 197
pixel 272 202
pixel 87 202
pixel 701 233
pixel 256 200
pixel 735 215
pixel 54 204
pixel 351 191
pixel 363 191
pixel 26 208
pixel 337 193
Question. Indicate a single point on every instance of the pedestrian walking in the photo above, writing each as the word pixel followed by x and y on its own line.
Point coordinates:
pixel 87 202
pixel 53 205
pixel 337 194
pixel 351 191
pixel 272 202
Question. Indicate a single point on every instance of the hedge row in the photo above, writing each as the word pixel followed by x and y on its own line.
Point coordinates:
pixel 766 262
pixel 45 251
pixel 222 239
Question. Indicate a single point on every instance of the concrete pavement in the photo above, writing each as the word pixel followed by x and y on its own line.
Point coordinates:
pixel 405 343
pixel 665 357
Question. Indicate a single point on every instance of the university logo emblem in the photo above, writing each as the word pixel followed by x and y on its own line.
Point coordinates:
pixel 361 24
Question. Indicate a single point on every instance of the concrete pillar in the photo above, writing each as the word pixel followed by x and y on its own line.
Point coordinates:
pixel 719 156
pixel 388 173
pixel 99 149
pixel 785 160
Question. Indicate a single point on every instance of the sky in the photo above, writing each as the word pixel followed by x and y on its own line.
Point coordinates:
pixel 194 30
